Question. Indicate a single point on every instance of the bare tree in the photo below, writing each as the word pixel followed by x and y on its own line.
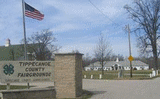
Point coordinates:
pixel 12 53
pixel 75 51
pixel 113 57
pixel 41 44
pixel 146 14
pixel 86 60
pixel 102 51
pixel 16 52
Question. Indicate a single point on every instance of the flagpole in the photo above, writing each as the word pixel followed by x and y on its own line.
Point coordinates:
pixel 24 29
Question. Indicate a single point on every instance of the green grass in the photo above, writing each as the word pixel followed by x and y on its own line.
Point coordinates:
pixel 113 75
pixel 3 87
pixel 139 71
pixel 85 95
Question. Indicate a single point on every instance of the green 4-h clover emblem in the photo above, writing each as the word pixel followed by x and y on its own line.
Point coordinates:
pixel 8 69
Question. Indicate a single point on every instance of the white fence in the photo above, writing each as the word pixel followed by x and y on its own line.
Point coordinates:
pixel 153 74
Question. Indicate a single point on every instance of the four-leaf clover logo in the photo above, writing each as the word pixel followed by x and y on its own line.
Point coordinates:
pixel 8 69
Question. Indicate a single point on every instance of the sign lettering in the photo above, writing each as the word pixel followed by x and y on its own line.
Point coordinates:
pixel 26 71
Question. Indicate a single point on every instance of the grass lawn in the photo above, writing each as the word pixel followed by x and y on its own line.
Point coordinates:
pixel 3 87
pixel 85 95
pixel 113 75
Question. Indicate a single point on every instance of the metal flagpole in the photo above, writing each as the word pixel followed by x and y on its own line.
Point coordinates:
pixel 24 28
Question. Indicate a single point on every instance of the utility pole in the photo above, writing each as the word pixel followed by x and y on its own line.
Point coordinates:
pixel 130 56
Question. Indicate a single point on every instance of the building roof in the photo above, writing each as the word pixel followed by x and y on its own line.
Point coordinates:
pixel 134 63
pixel 13 52
pixel 120 63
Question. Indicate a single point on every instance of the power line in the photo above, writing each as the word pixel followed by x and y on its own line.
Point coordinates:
pixel 102 12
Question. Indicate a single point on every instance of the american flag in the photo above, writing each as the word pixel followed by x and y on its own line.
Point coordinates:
pixel 33 13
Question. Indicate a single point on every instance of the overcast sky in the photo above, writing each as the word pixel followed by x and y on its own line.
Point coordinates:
pixel 76 24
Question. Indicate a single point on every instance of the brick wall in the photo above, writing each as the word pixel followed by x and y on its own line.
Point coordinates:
pixel 68 75
pixel 44 93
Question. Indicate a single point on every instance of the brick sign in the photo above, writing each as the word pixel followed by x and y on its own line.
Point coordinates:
pixel 26 71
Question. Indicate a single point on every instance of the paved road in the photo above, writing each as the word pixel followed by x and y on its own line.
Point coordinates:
pixel 127 89
pixel 117 89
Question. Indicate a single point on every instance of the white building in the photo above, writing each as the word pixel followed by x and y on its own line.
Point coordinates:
pixel 117 65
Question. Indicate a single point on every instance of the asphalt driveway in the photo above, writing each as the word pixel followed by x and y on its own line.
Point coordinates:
pixel 123 89
pixel 116 89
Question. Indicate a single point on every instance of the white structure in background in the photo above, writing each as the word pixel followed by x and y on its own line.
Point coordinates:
pixel 117 65
pixel 8 42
